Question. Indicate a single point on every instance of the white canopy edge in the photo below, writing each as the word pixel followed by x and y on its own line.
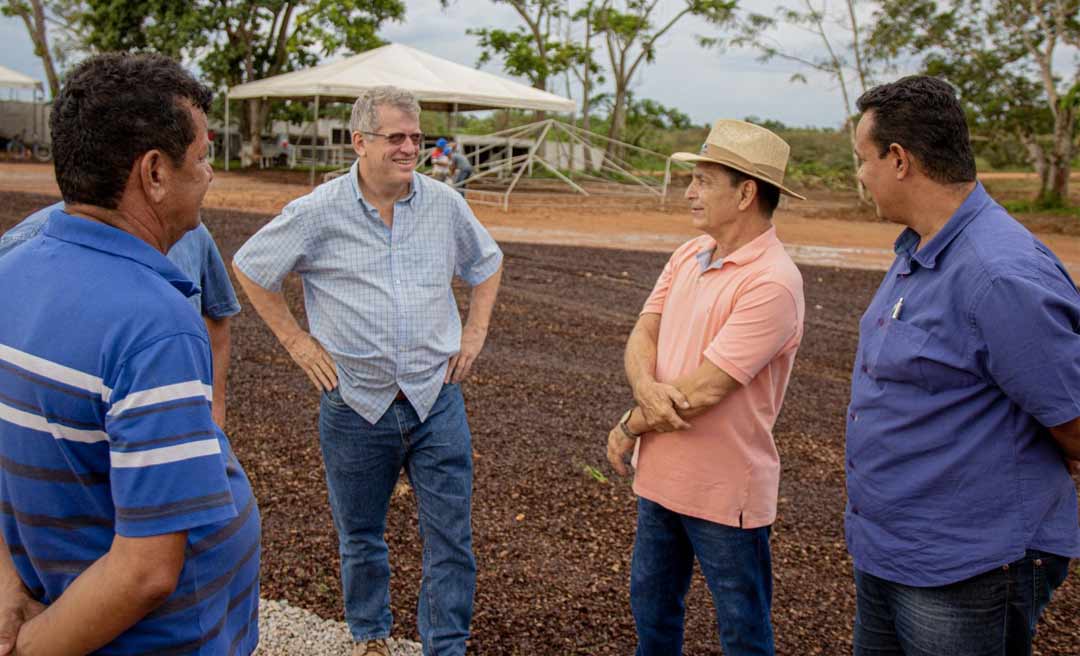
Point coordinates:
pixel 10 79
pixel 438 83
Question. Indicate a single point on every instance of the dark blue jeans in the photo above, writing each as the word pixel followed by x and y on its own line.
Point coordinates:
pixel 362 465
pixel 737 568
pixel 992 614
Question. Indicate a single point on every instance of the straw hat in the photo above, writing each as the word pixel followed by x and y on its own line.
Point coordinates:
pixel 745 147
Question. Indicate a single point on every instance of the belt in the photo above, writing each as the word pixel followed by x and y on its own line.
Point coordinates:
pixel 400 396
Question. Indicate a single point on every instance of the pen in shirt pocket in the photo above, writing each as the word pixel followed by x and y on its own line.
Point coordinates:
pixel 897 308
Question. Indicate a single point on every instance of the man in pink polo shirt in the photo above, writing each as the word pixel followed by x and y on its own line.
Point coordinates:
pixel 709 360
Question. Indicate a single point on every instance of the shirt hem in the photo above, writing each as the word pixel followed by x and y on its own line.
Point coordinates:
pixel 749 521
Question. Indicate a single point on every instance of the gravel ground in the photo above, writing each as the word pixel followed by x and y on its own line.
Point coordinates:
pixel 286 630
pixel 553 526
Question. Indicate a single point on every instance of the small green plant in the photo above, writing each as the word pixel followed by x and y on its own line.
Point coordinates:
pixel 596 473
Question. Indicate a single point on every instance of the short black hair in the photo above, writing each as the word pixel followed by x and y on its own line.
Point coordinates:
pixel 768 194
pixel 114 108
pixel 923 115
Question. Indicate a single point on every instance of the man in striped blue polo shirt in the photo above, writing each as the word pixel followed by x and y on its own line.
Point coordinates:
pixel 128 525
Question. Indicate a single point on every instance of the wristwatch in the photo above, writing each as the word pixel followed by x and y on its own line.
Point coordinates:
pixel 624 426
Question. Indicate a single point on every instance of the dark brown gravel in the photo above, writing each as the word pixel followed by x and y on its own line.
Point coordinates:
pixel 552 542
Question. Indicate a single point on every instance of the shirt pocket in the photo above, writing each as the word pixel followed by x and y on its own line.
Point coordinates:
pixel 911 355
pixel 895 358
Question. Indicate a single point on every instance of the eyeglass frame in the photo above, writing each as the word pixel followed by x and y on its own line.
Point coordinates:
pixel 417 138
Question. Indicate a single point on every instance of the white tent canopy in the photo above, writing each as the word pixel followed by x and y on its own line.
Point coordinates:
pixel 438 84
pixel 10 79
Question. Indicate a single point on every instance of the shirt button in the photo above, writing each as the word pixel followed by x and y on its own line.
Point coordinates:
pixel 880 322
pixel 854 510
pixel 865 369
pixel 854 417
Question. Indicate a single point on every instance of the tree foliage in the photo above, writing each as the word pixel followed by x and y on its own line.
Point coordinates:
pixel 50 26
pixel 237 41
pixel 1000 55
pixel 632 30
pixel 844 58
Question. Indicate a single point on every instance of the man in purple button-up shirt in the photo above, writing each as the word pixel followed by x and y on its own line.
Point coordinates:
pixel 965 399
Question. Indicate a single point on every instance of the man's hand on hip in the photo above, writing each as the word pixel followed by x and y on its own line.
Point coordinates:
pixel 619 448
pixel 15 610
pixel 658 402
pixel 472 342
pixel 307 352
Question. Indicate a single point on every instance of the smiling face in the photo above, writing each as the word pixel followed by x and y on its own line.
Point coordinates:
pixel 382 163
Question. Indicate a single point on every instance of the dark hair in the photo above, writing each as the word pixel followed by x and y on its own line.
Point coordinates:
pixel 923 115
pixel 768 194
pixel 114 108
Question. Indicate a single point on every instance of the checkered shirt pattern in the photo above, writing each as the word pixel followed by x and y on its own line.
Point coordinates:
pixel 378 299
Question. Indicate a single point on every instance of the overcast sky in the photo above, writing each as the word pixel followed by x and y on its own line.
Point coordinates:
pixel 706 84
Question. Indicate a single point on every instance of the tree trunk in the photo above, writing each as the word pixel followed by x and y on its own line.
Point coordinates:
pixel 1037 158
pixel 618 122
pixel 1055 191
pixel 255 114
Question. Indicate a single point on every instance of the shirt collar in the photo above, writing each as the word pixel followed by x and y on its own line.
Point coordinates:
pixel 354 178
pixel 745 254
pixel 908 241
pixel 107 239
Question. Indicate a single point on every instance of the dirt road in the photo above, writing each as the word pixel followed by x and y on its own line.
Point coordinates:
pixel 811 236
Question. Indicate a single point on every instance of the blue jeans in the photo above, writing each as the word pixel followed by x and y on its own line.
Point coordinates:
pixel 737 568
pixel 992 614
pixel 362 465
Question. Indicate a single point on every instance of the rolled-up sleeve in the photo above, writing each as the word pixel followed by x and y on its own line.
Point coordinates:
pixel 277 248
pixel 478 256
pixel 1028 327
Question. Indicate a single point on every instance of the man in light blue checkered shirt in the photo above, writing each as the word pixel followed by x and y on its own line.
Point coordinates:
pixel 376 250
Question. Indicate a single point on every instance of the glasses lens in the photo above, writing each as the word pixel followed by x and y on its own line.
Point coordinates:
pixel 398 138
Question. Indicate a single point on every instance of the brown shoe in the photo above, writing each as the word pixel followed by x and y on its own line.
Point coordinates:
pixel 371 648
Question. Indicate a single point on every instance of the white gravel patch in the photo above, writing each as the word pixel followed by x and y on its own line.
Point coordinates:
pixel 286 630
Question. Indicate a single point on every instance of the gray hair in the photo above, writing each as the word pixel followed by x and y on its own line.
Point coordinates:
pixel 365 112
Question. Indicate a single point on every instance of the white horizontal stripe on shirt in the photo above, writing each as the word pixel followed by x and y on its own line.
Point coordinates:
pixel 54 371
pixel 165 454
pixel 58 431
pixel 155 395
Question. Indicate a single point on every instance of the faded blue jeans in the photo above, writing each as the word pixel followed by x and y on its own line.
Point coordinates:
pixel 738 571
pixel 362 465
pixel 992 614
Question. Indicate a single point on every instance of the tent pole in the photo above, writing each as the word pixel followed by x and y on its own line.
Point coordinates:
pixel 227 136
pixel 314 140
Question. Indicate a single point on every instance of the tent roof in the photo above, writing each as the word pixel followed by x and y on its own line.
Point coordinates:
pixel 10 79
pixel 438 84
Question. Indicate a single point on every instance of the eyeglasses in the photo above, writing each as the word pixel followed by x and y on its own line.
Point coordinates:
pixel 398 138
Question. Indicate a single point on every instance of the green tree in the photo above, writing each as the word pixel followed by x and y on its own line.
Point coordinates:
pixel 534 50
pixel 39 17
pixel 238 41
pixel 845 58
pixel 646 117
pixel 631 31
pixel 1000 55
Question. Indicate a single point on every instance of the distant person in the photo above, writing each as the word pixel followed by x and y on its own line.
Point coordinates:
pixel 965 400
pixel 129 526
pixel 197 256
pixel 709 361
pixel 440 161
pixel 460 167
pixel 377 250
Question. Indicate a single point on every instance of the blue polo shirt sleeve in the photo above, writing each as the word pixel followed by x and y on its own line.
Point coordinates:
pixel 218 296
pixel 1028 325
pixel 478 256
pixel 277 248
pixel 167 462
pixel 27 229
